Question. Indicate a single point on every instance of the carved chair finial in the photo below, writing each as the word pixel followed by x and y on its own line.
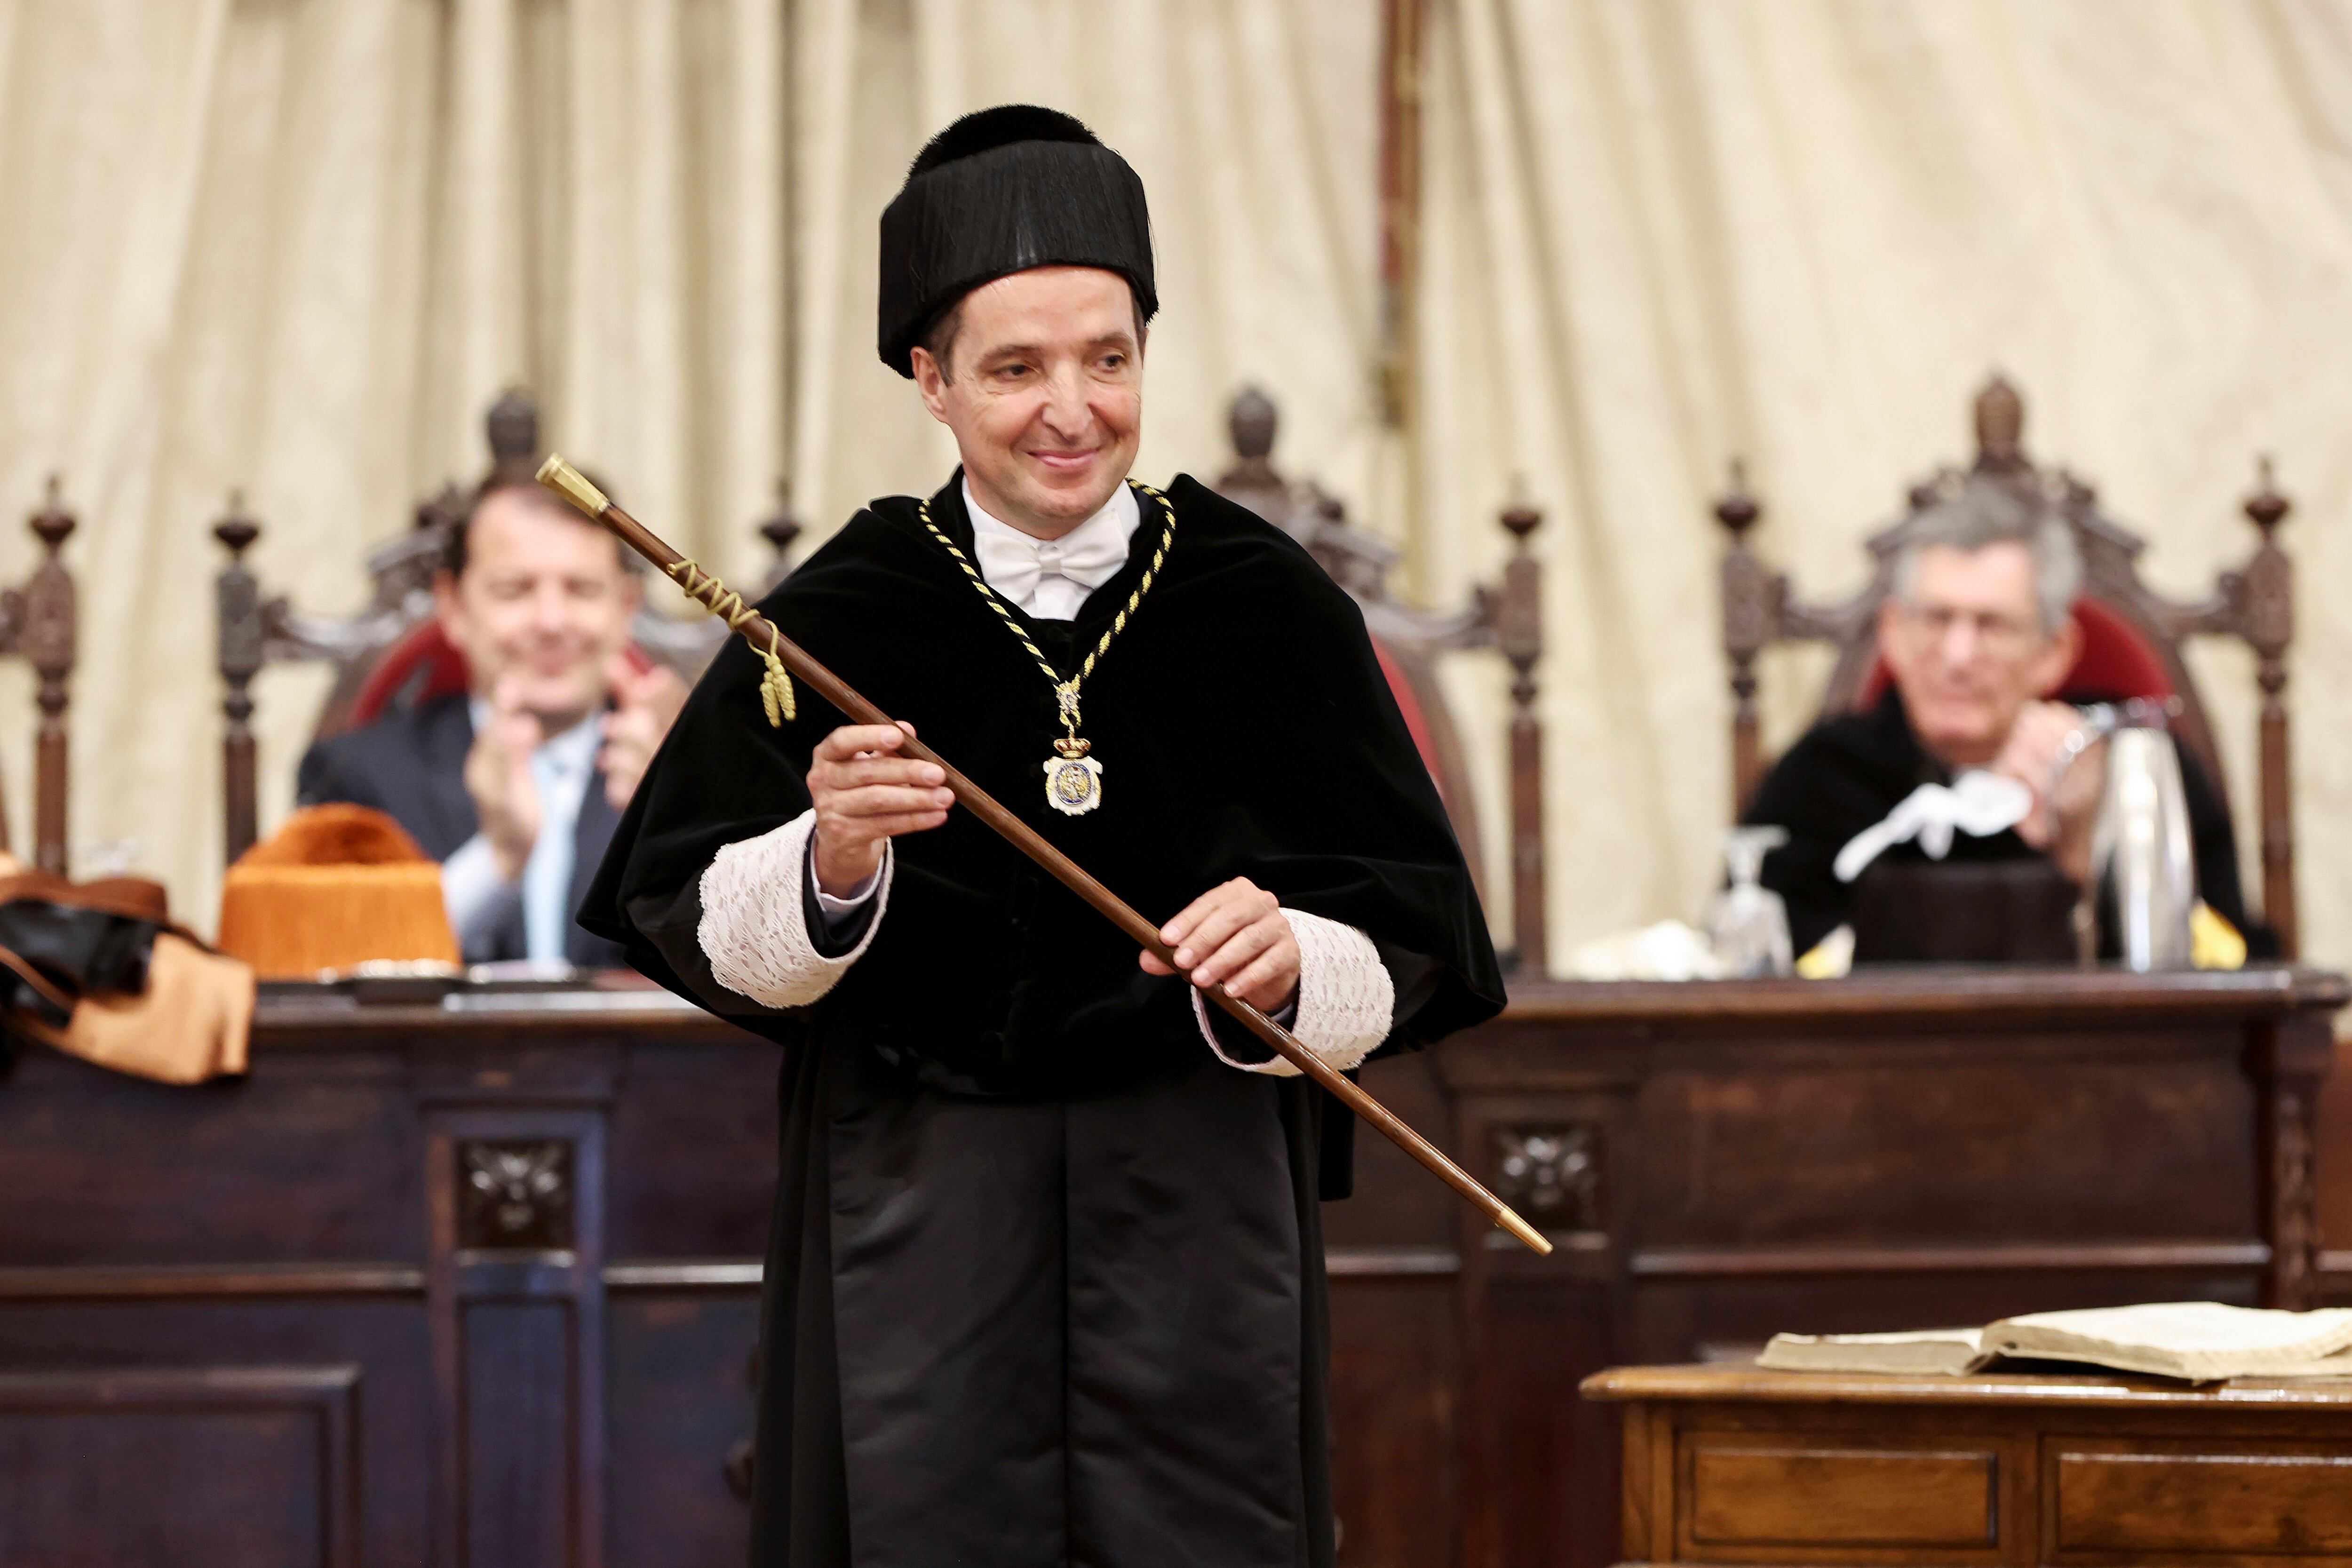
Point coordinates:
pixel 234 528
pixel 512 427
pixel 783 525
pixel 2001 424
pixel 53 524
pixel 1252 422
pixel 1521 516
pixel 780 528
pixel 1736 509
pixel 2266 508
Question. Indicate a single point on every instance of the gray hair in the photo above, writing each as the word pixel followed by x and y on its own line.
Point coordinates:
pixel 1976 514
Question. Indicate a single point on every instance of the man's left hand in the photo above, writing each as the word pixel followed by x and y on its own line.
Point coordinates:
pixel 1233 937
pixel 645 703
pixel 2060 824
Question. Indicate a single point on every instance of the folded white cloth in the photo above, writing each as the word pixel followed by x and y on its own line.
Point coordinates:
pixel 1667 951
pixel 1977 803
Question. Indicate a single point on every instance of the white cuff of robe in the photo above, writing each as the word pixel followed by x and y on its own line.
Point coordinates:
pixel 754 928
pixel 1346 998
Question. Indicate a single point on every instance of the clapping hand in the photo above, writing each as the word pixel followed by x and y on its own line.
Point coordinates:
pixel 645 703
pixel 497 775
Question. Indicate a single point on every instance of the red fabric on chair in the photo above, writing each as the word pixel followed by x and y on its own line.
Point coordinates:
pixel 2115 664
pixel 1416 722
pixel 423 651
pixel 426 655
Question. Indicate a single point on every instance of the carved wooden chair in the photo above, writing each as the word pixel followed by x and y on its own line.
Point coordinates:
pixel 392 655
pixel 39 621
pixel 2132 635
pixel 1409 641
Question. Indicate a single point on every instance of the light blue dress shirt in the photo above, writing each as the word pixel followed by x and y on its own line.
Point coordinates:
pixel 479 900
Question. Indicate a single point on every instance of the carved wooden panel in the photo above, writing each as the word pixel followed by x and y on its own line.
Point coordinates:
pixel 680 1404
pixel 1960 1138
pixel 2142 1496
pixel 514 1196
pixel 1767 1489
pixel 1551 1173
pixel 1394 1371
pixel 220 1467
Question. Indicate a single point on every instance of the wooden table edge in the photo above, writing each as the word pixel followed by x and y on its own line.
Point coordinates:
pixel 1721 1383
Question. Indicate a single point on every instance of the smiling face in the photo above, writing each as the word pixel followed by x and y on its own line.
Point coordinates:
pixel 543 603
pixel 1043 387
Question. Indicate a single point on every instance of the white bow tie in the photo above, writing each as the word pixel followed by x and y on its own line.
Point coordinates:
pixel 1024 570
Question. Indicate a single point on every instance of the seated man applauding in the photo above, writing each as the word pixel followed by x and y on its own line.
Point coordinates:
pixel 516 786
pixel 1976 634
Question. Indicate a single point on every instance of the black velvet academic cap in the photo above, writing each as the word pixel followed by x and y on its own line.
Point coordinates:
pixel 1000 191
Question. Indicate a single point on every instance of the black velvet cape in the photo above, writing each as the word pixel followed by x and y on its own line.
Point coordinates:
pixel 1847 773
pixel 1045 1282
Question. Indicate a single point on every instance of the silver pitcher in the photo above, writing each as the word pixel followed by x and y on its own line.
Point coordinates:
pixel 2140 855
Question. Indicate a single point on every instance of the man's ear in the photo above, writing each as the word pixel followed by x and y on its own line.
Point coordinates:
pixel 2056 661
pixel 931 382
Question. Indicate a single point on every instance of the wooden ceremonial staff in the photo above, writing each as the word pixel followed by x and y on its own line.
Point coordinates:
pixel 761 634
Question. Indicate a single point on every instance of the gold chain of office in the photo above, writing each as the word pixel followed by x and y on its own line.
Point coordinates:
pixel 1066 691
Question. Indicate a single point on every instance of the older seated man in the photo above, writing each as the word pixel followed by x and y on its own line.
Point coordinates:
pixel 1977 635
pixel 516 786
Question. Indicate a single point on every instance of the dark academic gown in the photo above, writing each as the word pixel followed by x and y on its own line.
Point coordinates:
pixel 411 765
pixel 1045 1282
pixel 1847 773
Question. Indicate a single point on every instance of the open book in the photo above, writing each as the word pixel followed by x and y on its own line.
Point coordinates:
pixel 2201 1341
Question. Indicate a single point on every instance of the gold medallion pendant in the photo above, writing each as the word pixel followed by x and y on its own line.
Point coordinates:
pixel 1073 779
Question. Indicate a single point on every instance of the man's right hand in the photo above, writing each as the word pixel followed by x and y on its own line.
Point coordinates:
pixel 497 775
pixel 866 795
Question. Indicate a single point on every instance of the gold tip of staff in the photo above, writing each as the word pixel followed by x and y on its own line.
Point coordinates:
pixel 572 485
pixel 1526 1233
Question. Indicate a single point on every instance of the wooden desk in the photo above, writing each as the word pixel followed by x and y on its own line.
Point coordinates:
pixel 471 1286
pixel 1736 1465
pixel 1720 1161
pixel 477 1286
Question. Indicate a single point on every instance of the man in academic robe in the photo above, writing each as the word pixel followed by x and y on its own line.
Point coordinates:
pixel 515 785
pixel 1976 634
pixel 1045 1279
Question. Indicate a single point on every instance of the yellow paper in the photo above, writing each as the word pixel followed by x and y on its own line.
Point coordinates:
pixel 2214 943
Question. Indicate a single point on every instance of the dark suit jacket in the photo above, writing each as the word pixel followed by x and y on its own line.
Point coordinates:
pixel 412 766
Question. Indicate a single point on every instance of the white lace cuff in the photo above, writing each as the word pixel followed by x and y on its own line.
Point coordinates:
pixel 1345 997
pixel 754 927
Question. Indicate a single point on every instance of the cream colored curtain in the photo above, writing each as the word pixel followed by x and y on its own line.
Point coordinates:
pixel 296 247
pixel 1663 233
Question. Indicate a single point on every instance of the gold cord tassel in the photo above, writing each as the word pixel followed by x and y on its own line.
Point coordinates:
pixel 776 685
pixel 776 690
